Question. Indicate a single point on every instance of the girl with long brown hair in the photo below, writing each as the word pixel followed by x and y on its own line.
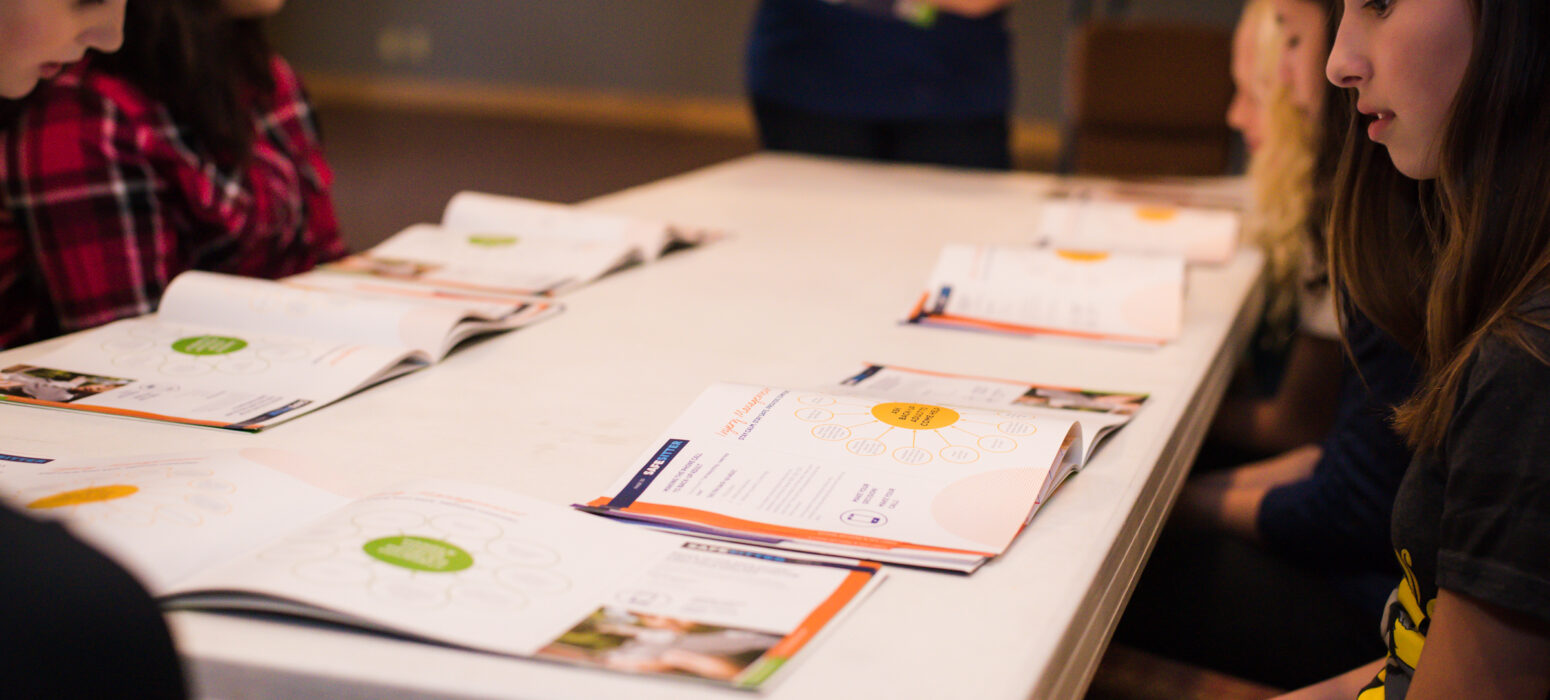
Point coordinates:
pixel 1296 540
pixel 1441 234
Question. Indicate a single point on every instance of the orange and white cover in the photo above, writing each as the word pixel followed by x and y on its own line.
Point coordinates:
pixel 1023 290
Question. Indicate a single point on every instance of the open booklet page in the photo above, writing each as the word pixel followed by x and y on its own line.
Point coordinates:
pixel 1099 413
pixel 897 481
pixel 1230 193
pixel 245 354
pixel 1023 290
pixel 506 245
pixel 1198 234
pixel 444 561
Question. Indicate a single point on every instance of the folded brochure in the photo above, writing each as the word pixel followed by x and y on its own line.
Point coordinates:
pixel 849 474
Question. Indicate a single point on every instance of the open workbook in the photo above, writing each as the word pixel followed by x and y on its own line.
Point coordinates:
pixel 443 561
pixel 1198 234
pixel 507 245
pixel 245 354
pixel 1023 290
pixel 847 472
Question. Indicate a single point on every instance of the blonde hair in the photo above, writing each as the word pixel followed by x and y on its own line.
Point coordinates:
pixel 1280 174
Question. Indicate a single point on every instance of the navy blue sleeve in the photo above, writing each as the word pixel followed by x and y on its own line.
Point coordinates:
pixel 1338 518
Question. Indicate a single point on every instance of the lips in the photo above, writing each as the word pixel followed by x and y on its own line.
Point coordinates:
pixel 48 70
pixel 1381 121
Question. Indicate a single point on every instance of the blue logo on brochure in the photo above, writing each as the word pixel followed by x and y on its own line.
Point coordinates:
pixel 648 473
pixel 863 518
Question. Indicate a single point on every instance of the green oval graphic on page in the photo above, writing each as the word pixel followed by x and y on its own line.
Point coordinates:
pixel 492 241
pixel 419 553
pixel 209 345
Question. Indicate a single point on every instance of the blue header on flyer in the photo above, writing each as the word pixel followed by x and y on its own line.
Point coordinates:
pixel 648 473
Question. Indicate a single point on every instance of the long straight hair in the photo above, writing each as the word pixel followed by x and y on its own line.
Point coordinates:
pixel 210 71
pixel 1292 178
pixel 1443 265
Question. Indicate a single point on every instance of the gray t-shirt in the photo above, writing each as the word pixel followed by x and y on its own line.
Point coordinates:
pixel 1473 516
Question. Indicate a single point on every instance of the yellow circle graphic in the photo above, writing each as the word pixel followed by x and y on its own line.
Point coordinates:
pixel 93 494
pixel 915 416
pixel 1156 214
pixel 1086 256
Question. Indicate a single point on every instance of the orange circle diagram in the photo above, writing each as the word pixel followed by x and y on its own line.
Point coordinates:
pixel 1156 213
pixel 915 416
pixel 77 497
pixel 1083 256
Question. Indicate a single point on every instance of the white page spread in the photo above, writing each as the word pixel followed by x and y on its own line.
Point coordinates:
pixel 165 517
pixel 493 244
pixel 1098 412
pixel 245 354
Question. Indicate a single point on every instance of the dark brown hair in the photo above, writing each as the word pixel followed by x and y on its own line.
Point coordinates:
pixel 1442 265
pixel 211 71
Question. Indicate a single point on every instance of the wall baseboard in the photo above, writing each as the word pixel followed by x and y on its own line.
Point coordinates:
pixel 1035 143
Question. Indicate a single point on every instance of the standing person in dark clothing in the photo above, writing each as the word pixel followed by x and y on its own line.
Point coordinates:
pixel 894 80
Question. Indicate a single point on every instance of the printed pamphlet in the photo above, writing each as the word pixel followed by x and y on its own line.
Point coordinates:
pixel 851 474
pixel 1023 290
pixel 445 562
pixel 493 244
pixel 245 354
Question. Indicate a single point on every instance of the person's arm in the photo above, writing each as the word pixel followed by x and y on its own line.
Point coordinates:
pixel 1481 651
pixel 1300 411
pixel 19 306
pixel 1229 500
pixel 277 218
pixel 86 201
pixel 971 8
pixel 1342 687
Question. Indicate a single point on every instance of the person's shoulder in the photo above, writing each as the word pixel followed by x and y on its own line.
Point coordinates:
pixel 1536 307
pixel 1518 356
pixel 287 84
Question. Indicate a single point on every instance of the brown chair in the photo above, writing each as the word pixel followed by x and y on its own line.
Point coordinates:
pixel 1148 98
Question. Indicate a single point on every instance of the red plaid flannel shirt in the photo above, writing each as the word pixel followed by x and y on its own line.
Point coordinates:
pixel 106 200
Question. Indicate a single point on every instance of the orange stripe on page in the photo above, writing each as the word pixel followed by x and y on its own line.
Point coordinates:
pixel 948 320
pixel 951 375
pixel 112 411
pixel 821 615
pixel 920 306
pixel 716 520
pixel 469 286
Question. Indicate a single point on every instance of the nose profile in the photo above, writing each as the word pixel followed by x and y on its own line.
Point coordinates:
pixel 1347 66
pixel 107 34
